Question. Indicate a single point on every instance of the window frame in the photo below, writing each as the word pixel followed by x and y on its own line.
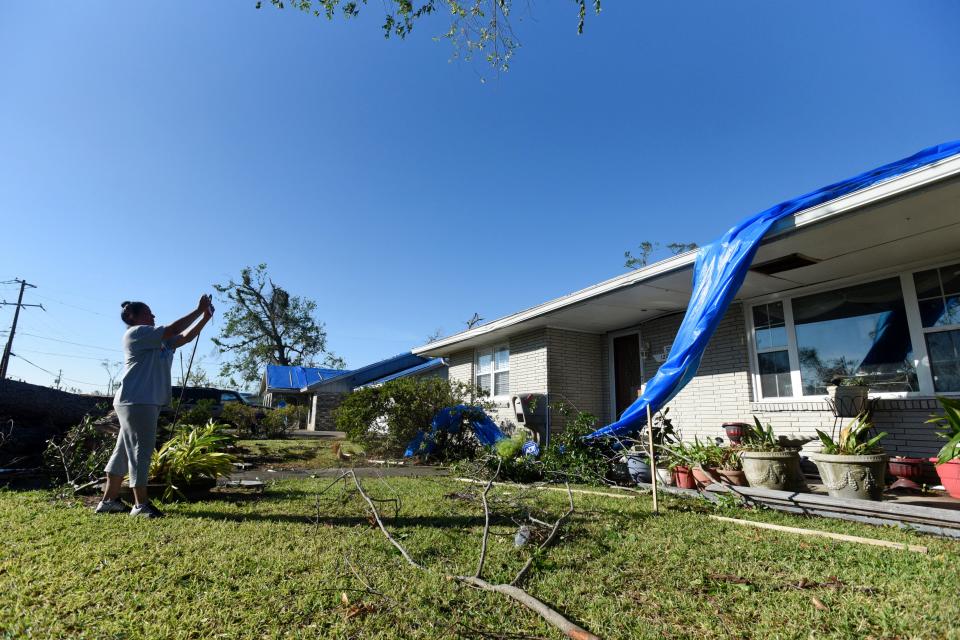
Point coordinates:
pixel 494 370
pixel 917 333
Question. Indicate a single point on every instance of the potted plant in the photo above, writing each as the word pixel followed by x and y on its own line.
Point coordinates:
pixel 678 462
pixel 769 464
pixel 663 434
pixel 192 460
pixel 730 468
pixel 735 431
pixel 948 460
pixel 853 465
pixel 848 395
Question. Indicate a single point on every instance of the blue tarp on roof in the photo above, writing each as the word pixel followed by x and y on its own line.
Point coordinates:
pixel 720 270
pixel 434 363
pixel 285 377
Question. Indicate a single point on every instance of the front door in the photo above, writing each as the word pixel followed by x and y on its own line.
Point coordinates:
pixel 626 370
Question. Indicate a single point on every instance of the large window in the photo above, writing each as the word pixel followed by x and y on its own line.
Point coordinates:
pixel 493 370
pixel 803 344
pixel 938 297
pixel 858 331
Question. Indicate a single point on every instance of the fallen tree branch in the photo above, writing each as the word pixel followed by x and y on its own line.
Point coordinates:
pixel 486 519
pixel 545 543
pixel 550 615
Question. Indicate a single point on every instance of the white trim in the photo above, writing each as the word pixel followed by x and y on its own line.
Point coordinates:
pixel 492 348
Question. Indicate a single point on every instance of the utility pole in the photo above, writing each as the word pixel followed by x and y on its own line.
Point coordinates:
pixel 13 329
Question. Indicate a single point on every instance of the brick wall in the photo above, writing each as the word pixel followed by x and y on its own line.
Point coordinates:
pixel 322 411
pixel 575 373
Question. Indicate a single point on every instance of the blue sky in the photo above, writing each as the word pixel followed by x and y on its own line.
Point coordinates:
pixel 151 150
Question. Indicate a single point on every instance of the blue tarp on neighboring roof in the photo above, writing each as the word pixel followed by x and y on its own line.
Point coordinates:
pixel 720 270
pixel 375 371
pixel 434 363
pixel 286 377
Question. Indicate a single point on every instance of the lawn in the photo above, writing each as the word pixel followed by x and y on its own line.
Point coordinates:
pixel 266 567
pixel 312 453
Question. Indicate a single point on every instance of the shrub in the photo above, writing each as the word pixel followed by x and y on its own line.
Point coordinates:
pixel 193 454
pixel 386 418
pixel 277 423
pixel 241 417
pixel 80 455
pixel 569 456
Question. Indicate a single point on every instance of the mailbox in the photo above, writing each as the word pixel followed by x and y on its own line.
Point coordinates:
pixel 530 410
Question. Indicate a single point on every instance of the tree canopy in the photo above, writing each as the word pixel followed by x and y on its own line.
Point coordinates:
pixel 264 325
pixel 480 28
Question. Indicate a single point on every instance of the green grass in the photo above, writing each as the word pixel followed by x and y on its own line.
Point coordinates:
pixel 259 567
pixel 296 454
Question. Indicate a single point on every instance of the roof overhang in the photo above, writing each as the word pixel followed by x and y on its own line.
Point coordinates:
pixel 904 220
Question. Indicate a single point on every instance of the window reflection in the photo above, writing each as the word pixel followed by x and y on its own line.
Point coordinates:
pixel 939 302
pixel 855 331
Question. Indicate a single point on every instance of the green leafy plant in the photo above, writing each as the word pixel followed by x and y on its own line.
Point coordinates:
pixel 853 440
pixel 80 455
pixel 241 417
pixel 192 455
pixel 949 424
pixel 385 419
pixel 571 456
pixel 760 438
pixel 277 423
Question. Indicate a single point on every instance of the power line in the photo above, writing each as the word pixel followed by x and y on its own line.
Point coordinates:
pixel 72 306
pixel 76 344
pixel 92 384
pixel 63 355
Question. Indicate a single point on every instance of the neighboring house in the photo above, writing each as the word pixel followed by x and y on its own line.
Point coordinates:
pixel 282 384
pixel 324 395
pixel 866 284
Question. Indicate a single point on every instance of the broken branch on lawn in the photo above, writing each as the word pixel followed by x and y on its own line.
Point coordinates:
pixel 550 615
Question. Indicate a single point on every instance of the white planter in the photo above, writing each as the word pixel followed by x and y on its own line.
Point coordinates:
pixel 848 402
pixel 664 477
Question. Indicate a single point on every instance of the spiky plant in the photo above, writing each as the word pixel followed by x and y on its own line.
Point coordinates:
pixel 853 440
pixel 949 424
pixel 192 454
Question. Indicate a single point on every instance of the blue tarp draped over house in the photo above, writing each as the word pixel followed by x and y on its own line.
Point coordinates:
pixel 718 274
pixel 451 420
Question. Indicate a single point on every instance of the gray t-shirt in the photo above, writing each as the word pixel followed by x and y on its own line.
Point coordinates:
pixel 146 378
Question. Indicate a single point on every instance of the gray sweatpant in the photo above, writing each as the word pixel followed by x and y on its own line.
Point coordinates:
pixel 135 442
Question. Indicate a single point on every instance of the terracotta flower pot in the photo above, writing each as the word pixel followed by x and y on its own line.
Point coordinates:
pixel 683 478
pixel 737 478
pixel 911 473
pixel 778 470
pixel 858 477
pixel 949 473
pixel 703 479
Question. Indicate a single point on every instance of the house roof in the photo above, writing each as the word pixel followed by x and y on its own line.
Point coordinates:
pixel 429 365
pixel 911 217
pixel 295 378
pixel 371 372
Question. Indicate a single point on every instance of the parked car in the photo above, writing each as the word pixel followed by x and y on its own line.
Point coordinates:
pixel 216 397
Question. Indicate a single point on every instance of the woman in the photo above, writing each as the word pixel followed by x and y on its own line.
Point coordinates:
pixel 144 390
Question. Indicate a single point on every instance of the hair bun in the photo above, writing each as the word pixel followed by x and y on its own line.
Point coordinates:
pixel 125 304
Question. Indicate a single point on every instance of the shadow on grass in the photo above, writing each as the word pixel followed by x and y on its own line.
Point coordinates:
pixel 438 522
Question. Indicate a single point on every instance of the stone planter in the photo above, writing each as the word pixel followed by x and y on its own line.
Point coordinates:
pixel 859 477
pixel 778 470
pixel 849 402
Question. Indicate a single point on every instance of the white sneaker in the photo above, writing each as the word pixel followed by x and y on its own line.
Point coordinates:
pixel 111 506
pixel 146 510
